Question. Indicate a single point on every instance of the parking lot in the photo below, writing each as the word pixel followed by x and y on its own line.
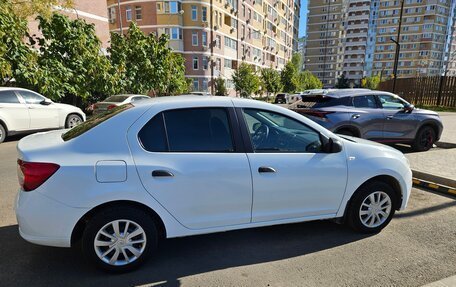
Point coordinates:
pixel 418 247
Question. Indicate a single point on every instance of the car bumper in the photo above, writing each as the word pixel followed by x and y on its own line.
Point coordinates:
pixel 45 221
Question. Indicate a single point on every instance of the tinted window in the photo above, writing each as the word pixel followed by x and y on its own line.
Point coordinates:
pixel 152 136
pixel 278 133
pixel 365 102
pixel 320 101
pixel 391 102
pixel 198 130
pixel 31 98
pixel 8 97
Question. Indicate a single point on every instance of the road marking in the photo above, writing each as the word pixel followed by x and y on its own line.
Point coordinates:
pixel 434 186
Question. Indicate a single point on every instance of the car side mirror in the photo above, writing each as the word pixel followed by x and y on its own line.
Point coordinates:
pixel 330 145
pixel 46 102
pixel 409 108
pixel 256 126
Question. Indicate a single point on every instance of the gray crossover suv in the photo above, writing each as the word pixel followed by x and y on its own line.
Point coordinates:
pixel 374 115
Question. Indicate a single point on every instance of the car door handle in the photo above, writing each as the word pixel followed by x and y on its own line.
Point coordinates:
pixel 162 173
pixel 264 169
pixel 389 117
pixel 355 116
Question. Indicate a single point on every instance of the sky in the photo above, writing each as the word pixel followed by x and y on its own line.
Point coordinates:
pixel 303 18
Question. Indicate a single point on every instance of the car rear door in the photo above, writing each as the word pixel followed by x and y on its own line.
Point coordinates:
pixel 367 116
pixel 191 160
pixel 42 116
pixel 291 177
pixel 13 111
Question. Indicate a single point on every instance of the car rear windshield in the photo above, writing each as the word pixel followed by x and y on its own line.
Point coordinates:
pixel 116 99
pixel 320 101
pixel 93 122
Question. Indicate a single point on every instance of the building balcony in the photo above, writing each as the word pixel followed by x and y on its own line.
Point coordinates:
pixel 355 44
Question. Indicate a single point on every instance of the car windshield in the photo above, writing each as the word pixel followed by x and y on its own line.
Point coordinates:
pixel 320 101
pixel 93 122
pixel 116 99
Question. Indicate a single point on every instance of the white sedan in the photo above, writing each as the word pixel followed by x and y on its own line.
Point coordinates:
pixel 178 166
pixel 24 111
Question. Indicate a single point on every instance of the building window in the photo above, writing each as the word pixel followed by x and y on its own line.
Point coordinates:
pixel 138 13
pixel 194 38
pixel 218 64
pixel 205 85
pixel 174 33
pixel 230 43
pixel 112 14
pixel 195 84
pixel 195 63
pixel 228 63
pixel 205 63
pixel 128 13
pixel 204 38
pixel 194 13
pixel 218 41
pixel 204 14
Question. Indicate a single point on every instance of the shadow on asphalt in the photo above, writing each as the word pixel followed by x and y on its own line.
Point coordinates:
pixel 426 210
pixel 25 264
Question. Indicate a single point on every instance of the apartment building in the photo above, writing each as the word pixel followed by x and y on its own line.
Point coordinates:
pixel 215 36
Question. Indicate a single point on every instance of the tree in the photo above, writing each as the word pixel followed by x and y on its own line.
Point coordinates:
pixel 44 8
pixel 245 80
pixel 270 79
pixel 288 78
pixel 296 59
pixel 370 82
pixel 306 81
pixel 220 87
pixel 342 82
pixel 144 63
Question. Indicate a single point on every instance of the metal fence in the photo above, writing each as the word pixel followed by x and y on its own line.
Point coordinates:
pixel 427 91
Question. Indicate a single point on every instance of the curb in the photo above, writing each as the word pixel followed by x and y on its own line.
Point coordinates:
pixel 435 179
pixel 445 145
pixel 434 186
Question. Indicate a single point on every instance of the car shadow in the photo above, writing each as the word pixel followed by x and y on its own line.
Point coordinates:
pixel 25 264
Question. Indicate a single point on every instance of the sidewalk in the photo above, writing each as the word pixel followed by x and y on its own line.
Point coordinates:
pixel 438 165
pixel 447 282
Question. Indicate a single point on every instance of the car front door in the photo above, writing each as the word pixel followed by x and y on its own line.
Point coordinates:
pixel 292 178
pixel 42 115
pixel 190 162
pixel 398 124
pixel 14 112
pixel 368 117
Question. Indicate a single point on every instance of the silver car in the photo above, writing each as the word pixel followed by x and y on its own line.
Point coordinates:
pixel 373 115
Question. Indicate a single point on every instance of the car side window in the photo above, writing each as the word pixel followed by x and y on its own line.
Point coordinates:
pixel 8 97
pixel 188 130
pixel 31 98
pixel 271 132
pixel 391 102
pixel 367 101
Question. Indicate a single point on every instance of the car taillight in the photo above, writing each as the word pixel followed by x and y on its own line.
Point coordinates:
pixel 110 107
pixel 33 174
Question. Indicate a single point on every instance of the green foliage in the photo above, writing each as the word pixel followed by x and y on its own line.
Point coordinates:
pixel 27 8
pixel 220 87
pixel 306 81
pixel 370 82
pixel 342 82
pixel 145 63
pixel 245 80
pixel 296 59
pixel 288 77
pixel 270 81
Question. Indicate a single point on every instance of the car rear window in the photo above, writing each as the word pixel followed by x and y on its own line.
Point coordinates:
pixel 116 99
pixel 320 101
pixel 93 122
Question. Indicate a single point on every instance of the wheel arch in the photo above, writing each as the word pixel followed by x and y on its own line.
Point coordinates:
pixel 351 128
pixel 2 122
pixel 72 113
pixel 80 226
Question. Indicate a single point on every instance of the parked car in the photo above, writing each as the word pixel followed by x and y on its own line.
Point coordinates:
pixel 281 98
pixel 373 115
pixel 200 93
pixel 114 101
pixel 24 111
pixel 178 166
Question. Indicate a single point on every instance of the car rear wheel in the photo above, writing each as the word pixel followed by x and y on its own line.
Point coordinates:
pixel 119 239
pixel 2 133
pixel 372 207
pixel 72 121
pixel 424 139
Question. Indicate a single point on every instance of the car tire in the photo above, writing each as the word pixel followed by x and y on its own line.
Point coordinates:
pixel 2 133
pixel 424 139
pixel 372 207
pixel 134 241
pixel 72 121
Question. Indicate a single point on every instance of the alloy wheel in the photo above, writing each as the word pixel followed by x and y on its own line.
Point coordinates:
pixel 74 121
pixel 375 209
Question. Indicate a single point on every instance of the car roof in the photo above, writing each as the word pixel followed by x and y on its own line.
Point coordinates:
pixel 341 93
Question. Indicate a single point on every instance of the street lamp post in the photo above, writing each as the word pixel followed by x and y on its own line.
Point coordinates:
pixel 398 46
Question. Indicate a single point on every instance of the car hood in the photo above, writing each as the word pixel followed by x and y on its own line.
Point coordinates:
pixel 368 143
pixel 424 112
pixel 67 107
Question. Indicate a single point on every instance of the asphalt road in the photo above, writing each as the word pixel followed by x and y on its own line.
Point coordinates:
pixel 417 247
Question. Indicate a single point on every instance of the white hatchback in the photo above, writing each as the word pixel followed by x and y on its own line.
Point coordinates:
pixel 178 166
pixel 23 111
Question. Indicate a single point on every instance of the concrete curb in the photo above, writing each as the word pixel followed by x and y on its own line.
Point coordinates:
pixel 444 181
pixel 434 186
pixel 445 145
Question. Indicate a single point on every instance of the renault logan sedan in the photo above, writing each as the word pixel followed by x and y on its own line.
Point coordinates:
pixel 178 166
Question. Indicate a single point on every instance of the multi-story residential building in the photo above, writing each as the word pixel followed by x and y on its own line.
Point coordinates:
pixel 215 36
pixel 302 51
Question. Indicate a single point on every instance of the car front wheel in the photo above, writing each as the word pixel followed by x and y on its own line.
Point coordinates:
pixel 2 133
pixel 372 207
pixel 424 139
pixel 119 239
pixel 72 121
